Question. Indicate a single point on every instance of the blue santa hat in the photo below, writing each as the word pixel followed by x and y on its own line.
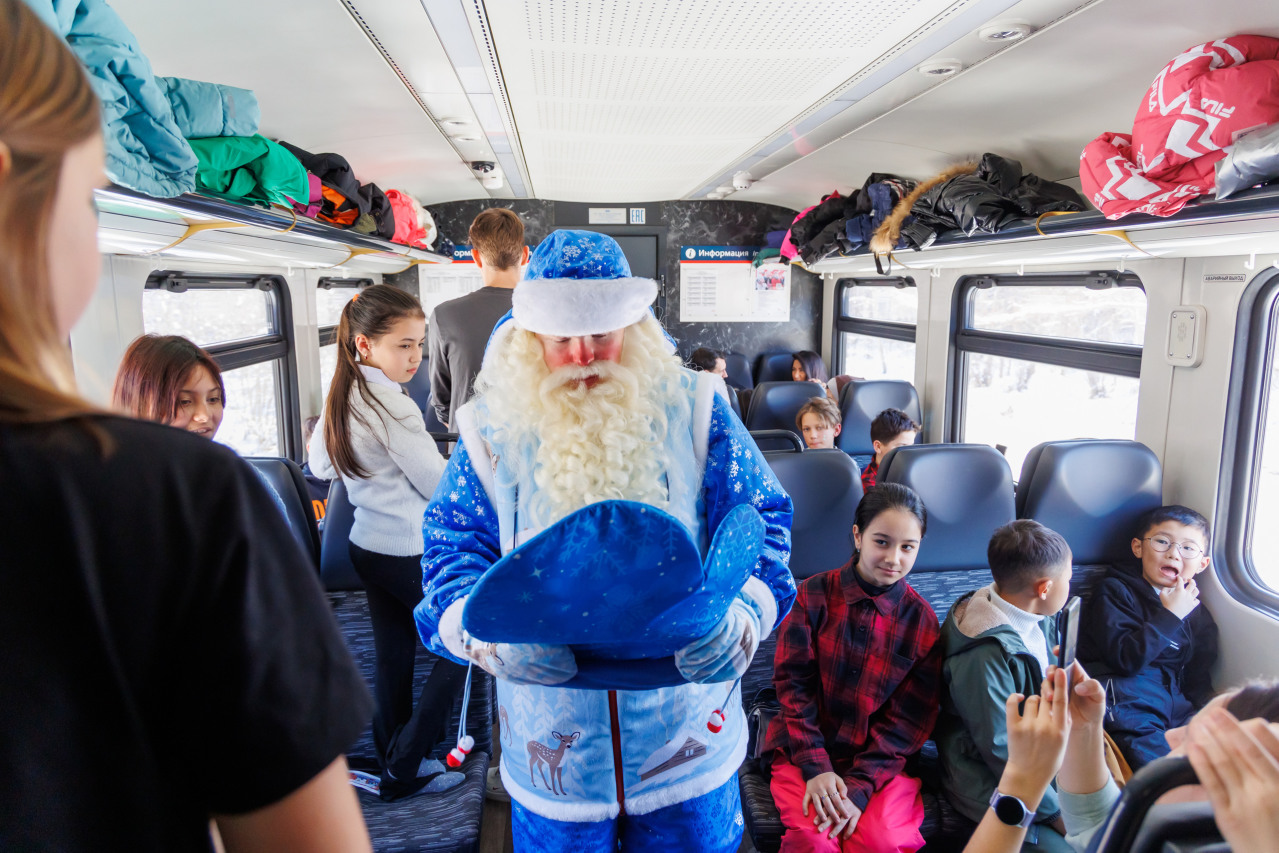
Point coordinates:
pixel 579 283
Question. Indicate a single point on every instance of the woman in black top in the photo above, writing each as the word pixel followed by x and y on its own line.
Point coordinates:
pixel 166 655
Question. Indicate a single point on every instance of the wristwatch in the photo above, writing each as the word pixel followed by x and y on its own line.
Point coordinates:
pixel 1010 810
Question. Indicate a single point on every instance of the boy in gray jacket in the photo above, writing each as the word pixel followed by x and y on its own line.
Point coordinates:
pixel 998 641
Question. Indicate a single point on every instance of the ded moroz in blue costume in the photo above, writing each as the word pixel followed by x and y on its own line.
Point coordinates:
pixel 608 541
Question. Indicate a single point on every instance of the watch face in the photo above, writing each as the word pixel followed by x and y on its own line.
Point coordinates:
pixel 1010 810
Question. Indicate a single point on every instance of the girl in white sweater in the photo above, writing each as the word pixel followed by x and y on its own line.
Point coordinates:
pixel 372 435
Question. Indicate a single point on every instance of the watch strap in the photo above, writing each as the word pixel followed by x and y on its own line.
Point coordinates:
pixel 997 799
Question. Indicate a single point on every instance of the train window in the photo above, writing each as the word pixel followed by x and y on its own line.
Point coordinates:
pixel 1249 487
pixel 875 328
pixel 1043 358
pixel 331 296
pixel 244 321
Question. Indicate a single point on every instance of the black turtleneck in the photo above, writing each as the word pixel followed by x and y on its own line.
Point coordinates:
pixel 867 587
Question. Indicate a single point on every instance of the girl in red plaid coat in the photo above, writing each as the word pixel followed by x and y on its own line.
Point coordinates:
pixel 858 675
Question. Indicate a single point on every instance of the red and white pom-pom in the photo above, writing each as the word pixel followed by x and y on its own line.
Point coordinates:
pixel 716 722
pixel 458 753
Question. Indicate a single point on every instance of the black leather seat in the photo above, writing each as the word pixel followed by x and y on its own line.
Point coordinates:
pixel 773 367
pixel 739 371
pixel 825 487
pixel 437 822
pixel 774 405
pixel 336 571
pixel 1137 825
pixel 1092 492
pixel 287 486
pixel 860 402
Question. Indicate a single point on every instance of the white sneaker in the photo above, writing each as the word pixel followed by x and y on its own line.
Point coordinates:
pixel 493 787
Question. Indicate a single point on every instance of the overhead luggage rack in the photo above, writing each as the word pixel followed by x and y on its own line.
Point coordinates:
pixel 1247 223
pixel 196 227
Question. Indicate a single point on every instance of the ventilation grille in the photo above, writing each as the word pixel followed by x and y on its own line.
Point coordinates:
pixel 642 99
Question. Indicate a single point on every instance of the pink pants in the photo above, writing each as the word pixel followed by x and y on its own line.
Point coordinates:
pixel 890 823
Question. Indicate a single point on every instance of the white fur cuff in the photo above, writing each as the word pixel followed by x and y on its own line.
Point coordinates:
pixel 569 307
pixel 757 591
pixel 451 629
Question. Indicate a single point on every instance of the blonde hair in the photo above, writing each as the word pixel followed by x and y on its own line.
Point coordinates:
pixel 606 442
pixel 46 109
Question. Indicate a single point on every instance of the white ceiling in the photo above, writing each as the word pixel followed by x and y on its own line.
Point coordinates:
pixel 644 100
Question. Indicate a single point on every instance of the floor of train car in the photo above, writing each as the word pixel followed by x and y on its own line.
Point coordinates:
pixel 495 828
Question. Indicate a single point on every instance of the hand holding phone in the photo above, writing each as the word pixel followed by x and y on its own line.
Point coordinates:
pixel 1068 635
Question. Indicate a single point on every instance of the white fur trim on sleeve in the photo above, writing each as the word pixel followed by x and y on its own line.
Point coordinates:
pixel 569 307
pixel 451 629
pixel 758 592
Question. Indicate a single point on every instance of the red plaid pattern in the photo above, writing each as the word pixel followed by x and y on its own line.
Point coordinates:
pixel 859 681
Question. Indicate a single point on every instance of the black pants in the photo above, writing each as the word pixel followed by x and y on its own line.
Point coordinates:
pixel 404 733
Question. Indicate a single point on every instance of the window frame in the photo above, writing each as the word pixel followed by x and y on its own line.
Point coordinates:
pixel 329 334
pixel 1095 356
pixel 1250 396
pixel 844 323
pixel 263 349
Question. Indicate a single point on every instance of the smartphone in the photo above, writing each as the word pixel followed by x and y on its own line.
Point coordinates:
pixel 1068 635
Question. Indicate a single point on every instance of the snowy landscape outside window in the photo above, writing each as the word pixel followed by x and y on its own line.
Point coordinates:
pixel 876 329
pixel 1046 361
pixel 241 323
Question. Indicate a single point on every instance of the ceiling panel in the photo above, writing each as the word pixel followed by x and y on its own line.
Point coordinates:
pixel 1039 101
pixel 321 82
pixel 641 100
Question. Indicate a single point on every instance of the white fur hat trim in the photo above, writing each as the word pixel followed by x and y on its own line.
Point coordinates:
pixel 569 307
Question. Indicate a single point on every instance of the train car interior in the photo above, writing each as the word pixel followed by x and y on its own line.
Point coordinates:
pixel 1080 344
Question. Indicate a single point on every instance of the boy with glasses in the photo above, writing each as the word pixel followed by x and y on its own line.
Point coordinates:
pixel 1144 634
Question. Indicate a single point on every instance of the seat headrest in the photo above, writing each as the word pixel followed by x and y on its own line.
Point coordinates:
pixel 825 487
pixel 968 492
pixel 774 367
pixel 1092 492
pixel 739 370
pixel 774 404
pixel 861 401
pixel 288 490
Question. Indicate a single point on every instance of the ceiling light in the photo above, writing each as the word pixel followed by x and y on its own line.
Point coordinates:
pixel 492 182
pixel 1005 31
pixel 715 196
pixel 724 190
pixel 466 137
pixel 454 122
pixel 941 68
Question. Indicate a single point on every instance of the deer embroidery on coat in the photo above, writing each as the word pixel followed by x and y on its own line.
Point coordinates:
pixel 503 725
pixel 540 754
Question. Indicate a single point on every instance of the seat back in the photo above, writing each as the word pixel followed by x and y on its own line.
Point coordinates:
pixel 825 487
pixel 287 486
pixel 968 492
pixel 336 571
pixel 773 367
pixel 419 388
pixel 774 404
pixel 739 370
pixel 860 402
pixel 1092 492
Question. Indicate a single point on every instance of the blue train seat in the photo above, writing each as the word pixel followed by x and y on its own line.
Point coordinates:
pixel 774 404
pixel 1092 492
pixel 287 486
pixel 860 401
pixel 773 367
pixel 739 370
pixel 336 571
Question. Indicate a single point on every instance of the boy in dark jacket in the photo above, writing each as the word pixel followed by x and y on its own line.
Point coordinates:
pixel 1144 633
pixel 998 641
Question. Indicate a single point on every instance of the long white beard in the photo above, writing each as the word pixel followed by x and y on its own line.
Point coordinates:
pixel 589 441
